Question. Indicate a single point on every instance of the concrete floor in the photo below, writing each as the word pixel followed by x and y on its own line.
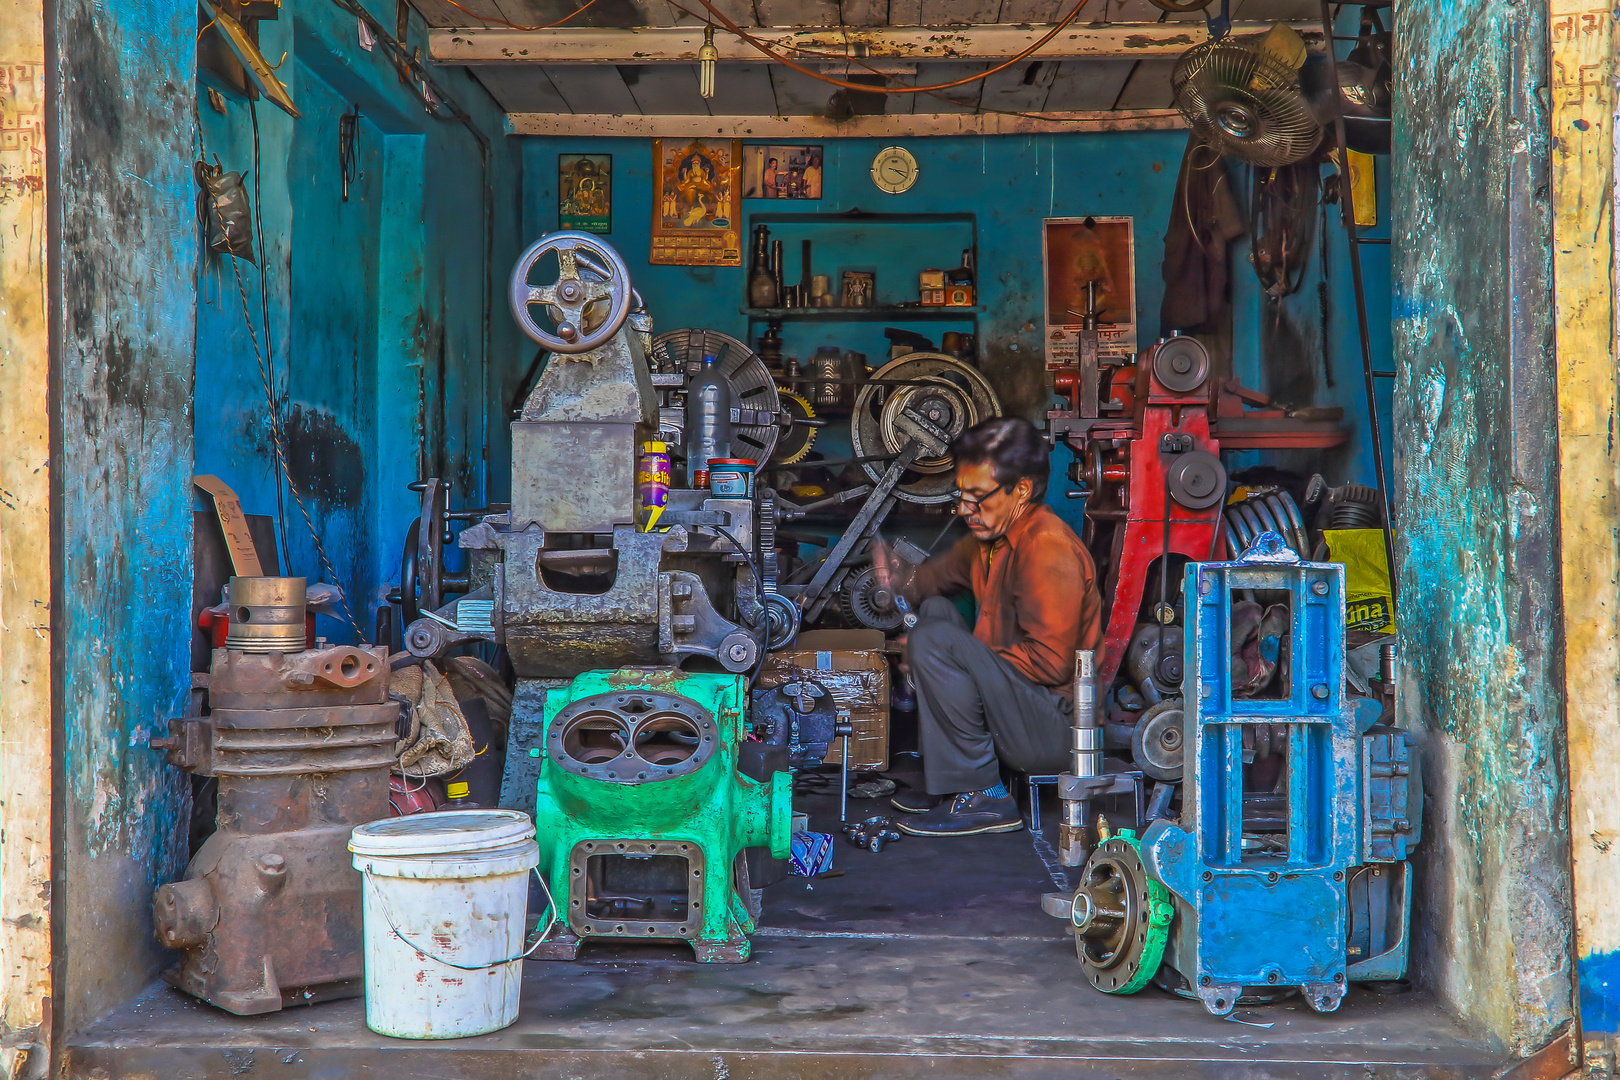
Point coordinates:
pixel 931 958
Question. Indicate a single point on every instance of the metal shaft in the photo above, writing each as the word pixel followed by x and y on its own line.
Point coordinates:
pixel 1085 758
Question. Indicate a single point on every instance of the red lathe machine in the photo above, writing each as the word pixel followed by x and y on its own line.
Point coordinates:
pixel 1147 437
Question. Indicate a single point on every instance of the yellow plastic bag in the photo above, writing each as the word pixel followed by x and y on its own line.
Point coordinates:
pixel 1367 603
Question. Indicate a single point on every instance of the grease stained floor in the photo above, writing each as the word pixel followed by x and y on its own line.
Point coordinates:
pixel 931 958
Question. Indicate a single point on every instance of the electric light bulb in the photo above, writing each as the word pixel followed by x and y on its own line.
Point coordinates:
pixel 706 58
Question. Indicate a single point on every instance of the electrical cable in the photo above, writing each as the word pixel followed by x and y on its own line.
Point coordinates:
pixel 760 46
pixel 514 26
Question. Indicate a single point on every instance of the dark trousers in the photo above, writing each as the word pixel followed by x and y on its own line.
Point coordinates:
pixel 974 708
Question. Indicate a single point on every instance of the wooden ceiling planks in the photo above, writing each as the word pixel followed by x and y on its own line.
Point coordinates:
pixel 959 12
pixel 666 89
pixel 1087 86
pixel 798 94
pixel 743 90
pixel 1148 86
pixel 1021 88
pixel 521 89
pixel 593 89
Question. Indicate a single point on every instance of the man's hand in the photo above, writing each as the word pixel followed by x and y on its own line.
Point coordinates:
pixel 893 573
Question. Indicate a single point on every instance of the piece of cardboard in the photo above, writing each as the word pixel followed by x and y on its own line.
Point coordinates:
pixel 244 557
pixel 854 666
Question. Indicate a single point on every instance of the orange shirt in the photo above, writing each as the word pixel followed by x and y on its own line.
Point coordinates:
pixel 1036 588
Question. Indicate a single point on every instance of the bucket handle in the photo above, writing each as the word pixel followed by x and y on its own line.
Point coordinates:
pixel 551 921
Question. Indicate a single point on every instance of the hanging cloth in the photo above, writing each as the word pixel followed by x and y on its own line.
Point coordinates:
pixel 1204 220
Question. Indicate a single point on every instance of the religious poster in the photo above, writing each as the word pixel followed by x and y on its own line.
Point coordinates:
pixel 697 210
pixel 782 172
pixel 1078 251
pixel 585 192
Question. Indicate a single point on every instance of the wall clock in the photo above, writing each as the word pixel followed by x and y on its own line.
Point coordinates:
pixel 894 169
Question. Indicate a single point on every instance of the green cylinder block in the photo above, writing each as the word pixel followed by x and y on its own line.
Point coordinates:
pixel 642 816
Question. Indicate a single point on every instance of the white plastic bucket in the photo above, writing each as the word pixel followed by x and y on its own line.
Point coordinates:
pixel 445 900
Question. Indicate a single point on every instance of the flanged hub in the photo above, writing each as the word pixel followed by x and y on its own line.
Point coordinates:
pixel 1121 918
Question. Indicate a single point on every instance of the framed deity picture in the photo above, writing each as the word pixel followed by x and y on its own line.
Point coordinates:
pixel 782 172
pixel 585 192
pixel 697 202
pixel 1077 252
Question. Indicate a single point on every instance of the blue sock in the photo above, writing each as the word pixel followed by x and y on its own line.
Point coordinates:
pixel 997 792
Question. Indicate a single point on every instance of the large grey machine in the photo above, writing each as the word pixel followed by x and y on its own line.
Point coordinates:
pixel 563 577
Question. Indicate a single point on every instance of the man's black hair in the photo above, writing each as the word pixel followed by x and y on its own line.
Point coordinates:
pixel 1014 449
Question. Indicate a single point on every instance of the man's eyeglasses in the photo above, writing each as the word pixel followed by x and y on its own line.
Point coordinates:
pixel 968 501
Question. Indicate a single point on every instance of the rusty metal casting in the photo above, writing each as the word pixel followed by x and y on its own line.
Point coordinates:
pixel 268 914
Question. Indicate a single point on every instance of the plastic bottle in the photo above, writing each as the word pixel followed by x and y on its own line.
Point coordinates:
pixel 708 422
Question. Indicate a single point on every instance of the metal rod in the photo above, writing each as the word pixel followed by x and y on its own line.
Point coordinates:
pixel 1348 217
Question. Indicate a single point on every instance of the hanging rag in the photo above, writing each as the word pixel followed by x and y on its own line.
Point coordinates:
pixel 439 741
pixel 1204 220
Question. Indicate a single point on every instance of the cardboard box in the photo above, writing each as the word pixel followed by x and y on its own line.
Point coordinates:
pixel 931 279
pixel 933 297
pixel 854 666
pixel 958 296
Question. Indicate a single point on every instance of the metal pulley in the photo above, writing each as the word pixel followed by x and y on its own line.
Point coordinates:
pixel 589 274
pixel 1196 479
pixel 929 397
pixel 1158 741
pixel 869 603
pixel 1181 364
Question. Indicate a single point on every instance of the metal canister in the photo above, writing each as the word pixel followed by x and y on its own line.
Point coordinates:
pixel 652 475
pixel 267 615
pixel 731 478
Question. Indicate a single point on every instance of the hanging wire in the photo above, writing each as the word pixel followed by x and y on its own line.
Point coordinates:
pixel 493 20
pixel 766 49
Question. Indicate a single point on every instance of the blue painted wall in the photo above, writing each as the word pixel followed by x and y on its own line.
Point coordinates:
pixel 1011 183
pixel 1477 520
pixel 120 115
pixel 384 368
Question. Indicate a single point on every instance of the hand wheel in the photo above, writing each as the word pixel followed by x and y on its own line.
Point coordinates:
pixel 572 292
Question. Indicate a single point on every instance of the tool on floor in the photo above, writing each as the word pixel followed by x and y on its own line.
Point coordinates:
pixel 872 833
pixel 643 817
pixel 301 742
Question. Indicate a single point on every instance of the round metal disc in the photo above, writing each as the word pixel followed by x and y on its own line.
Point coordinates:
pixel 919 388
pixel 1181 364
pixel 1121 918
pixel 1158 742
pixel 1196 479
pixel 752 387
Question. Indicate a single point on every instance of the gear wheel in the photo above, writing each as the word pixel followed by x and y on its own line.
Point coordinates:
pixel 797 438
pixel 765 539
pixel 868 603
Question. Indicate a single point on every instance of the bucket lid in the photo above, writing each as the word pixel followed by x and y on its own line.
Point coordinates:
pixel 447 832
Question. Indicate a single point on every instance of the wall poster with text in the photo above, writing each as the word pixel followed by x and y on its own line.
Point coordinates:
pixel 697 208
pixel 1076 251
pixel 585 192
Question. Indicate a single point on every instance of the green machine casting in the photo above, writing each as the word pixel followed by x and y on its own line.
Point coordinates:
pixel 643 817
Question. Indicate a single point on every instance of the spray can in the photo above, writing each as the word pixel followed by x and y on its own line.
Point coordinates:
pixel 652 480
